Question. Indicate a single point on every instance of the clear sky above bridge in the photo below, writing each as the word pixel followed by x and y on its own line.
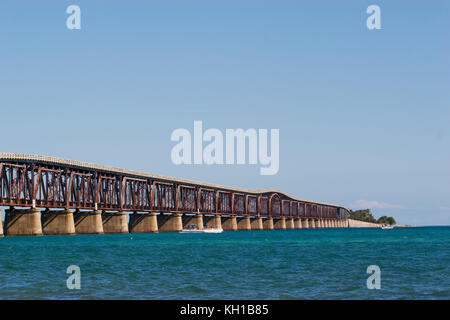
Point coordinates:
pixel 363 114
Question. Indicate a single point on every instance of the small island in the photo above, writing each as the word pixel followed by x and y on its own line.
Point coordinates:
pixel 364 219
pixel 366 216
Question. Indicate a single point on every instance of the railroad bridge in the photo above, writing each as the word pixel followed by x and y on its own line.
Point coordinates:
pixel 47 195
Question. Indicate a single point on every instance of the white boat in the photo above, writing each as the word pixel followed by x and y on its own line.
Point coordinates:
pixel 192 228
pixel 386 227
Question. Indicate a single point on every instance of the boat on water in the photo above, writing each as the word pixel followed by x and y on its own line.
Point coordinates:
pixel 387 227
pixel 192 228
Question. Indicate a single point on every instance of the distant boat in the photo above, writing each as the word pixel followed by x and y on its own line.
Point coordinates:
pixel 192 228
pixel 386 227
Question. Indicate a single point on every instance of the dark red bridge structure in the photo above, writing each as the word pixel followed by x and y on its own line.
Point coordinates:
pixel 96 199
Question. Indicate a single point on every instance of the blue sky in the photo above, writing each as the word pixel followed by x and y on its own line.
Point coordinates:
pixel 363 115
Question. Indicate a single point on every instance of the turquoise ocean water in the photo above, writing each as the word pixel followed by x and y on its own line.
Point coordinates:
pixel 279 264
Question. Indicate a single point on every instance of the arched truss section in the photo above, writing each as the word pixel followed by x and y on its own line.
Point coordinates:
pixel 275 205
pixel 251 203
pixel 294 208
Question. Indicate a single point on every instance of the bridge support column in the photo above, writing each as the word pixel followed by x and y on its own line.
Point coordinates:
pixel 329 223
pixel 243 223
pixel 115 222
pixel 23 222
pixel 58 222
pixel 280 224
pixel 212 222
pixel 1 225
pixel 319 223
pixel 311 223
pixel 268 224
pixel 290 223
pixel 297 223
pixel 257 223
pixel 229 223
pixel 305 224
pixel 143 223
pixel 170 223
pixel 196 219
pixel 88 222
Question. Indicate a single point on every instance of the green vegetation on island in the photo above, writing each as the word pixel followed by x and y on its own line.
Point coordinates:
pixel 366 216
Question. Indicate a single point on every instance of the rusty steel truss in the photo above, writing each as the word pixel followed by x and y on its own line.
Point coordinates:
pixel 44 182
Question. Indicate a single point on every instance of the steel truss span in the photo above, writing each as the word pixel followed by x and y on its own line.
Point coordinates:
pixel 47 182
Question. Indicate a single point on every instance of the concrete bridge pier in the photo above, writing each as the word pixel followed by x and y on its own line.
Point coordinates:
pixel 115 222
pixel 57 222
pixel 256 223
pixel 297 223
pixel 311 224
pixel 268 224
pixel 243 223
pixel 229 223
pixel 290 223
pixel 212 222
pixel 88 222
pixel 280 223
pixel 193 219
pixel 170 223
pixel 143 223
pixel 320 223
pixel 1 226
pixel 305 224
pixel 23 222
